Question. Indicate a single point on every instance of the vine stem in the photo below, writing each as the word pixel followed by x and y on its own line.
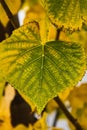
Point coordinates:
pixel 9 14
pixel 68 114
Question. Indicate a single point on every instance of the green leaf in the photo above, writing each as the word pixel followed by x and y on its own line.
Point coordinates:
pixel 68 13
pixel 40 71
pixel 79 37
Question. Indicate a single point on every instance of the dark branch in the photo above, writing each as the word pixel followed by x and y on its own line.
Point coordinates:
pixel 9 14
pixel 68 114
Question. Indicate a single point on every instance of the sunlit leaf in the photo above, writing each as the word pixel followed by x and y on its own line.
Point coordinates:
pixel 40 71
pixel 56 129
pixel 13 5
pixel 51 106
pixel 7 102
pixel 22 127
pixel 37 14
pixel 6 125
pixel 5 120
pixel 67 13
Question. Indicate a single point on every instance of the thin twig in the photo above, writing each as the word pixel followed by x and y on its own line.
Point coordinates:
pixel 56 117
pixel 9 14
pixel 68 114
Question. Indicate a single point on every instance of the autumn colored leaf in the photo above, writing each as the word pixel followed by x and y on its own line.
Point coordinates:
pixel 13 5
pixel 80 37
pixel 78 101
pixel 22 127
pixel 38 70
pixel 68 13
pixel 51 106
pixel 37 14
pixel 41 124
pixel 5 115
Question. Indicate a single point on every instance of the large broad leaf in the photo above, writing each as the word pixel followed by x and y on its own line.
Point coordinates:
pixel 40 71
pixel 67 13
pixel 13 5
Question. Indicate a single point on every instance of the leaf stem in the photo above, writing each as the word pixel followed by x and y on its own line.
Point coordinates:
pixel 58 33
pixel 68 114
pixel 9 14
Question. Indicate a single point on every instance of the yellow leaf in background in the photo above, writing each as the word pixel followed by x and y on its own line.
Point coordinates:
pixel 78 101
pixel 36 127
pixel 5 102
pixel 6 125
pixel 63 95
pixel 51 106
pixel 22 127
pixel 63 36
pixel 41 123
pixel 5 122
pixel 25 5
pixel 37 14
pixel 52 32
pixel 78 96
pixel 56 129
pixel 13 5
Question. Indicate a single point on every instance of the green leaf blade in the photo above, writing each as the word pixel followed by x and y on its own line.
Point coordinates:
pixel 40 71
pixel 69 14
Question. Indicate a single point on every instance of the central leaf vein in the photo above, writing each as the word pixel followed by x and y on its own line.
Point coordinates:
pixel 42 66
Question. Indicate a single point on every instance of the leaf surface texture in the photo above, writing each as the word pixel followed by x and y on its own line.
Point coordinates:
pixel 40 71
pixel 68 13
